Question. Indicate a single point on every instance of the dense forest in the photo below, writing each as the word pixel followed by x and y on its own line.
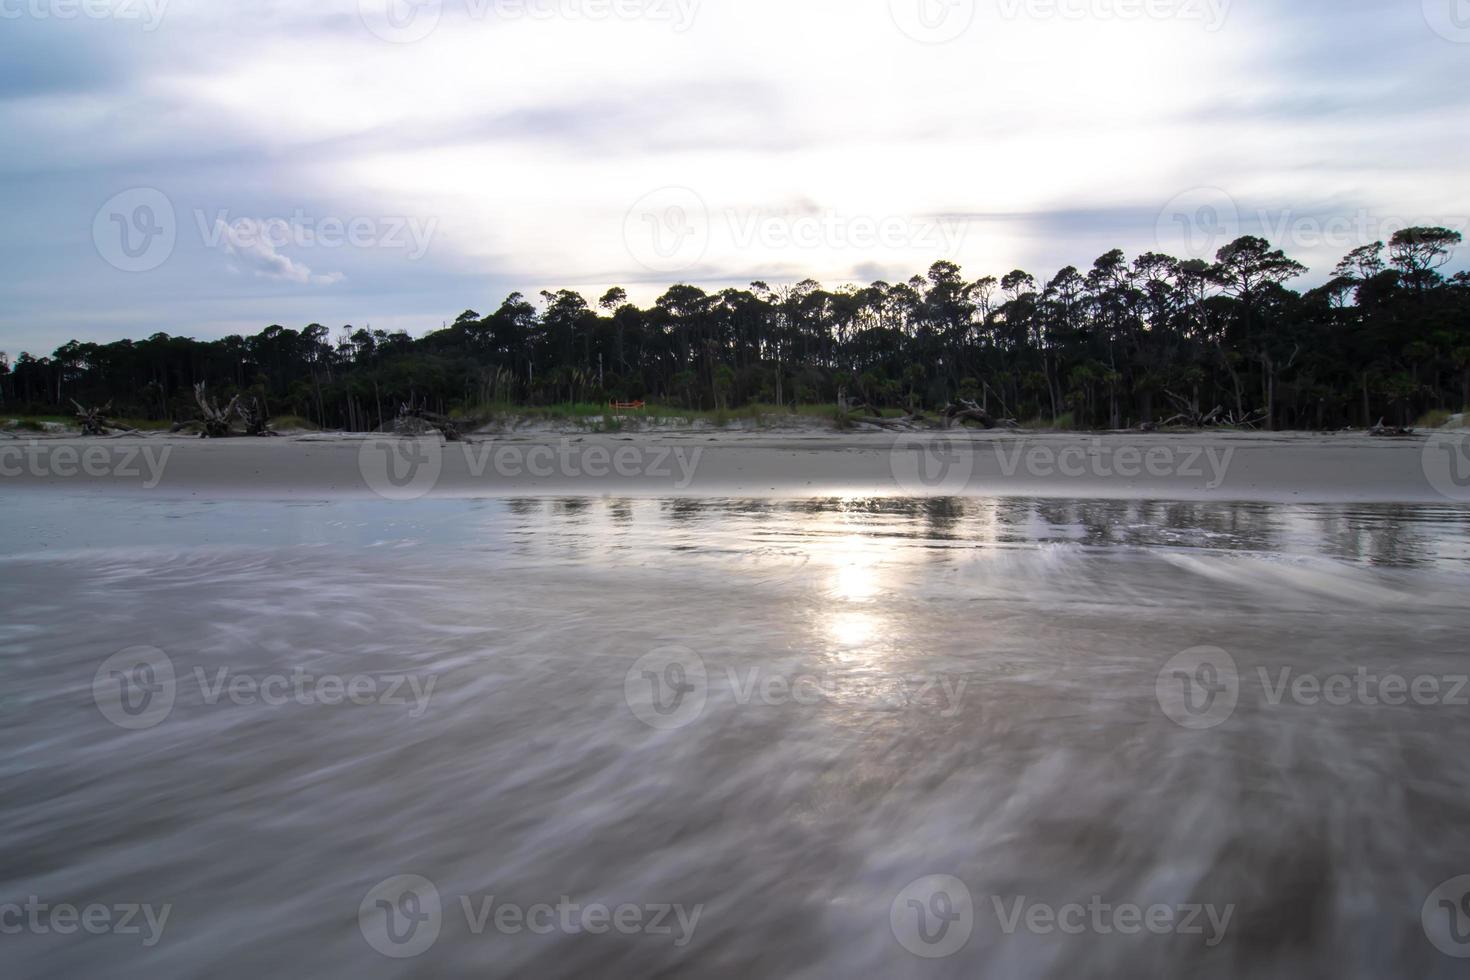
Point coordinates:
pixel 1388 335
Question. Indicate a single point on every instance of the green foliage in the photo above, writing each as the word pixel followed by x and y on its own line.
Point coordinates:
pixel 1440 417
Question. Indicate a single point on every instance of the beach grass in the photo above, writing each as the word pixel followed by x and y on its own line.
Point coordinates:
pixel 1439 418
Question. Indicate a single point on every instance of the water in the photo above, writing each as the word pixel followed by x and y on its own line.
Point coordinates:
pixel 874 692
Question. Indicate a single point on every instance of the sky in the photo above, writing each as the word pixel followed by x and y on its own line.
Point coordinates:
pixel 209 167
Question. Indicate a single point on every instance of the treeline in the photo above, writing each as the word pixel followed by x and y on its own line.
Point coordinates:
pixel 1115 345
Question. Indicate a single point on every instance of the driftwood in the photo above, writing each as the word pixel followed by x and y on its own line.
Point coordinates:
pixel 965 410
pixel 954 413
pixel 254 419
pixel 1390 431
pixel 93 420
pixel 871 416
pixel 413 420
pixel 215 420
pixel 1190 416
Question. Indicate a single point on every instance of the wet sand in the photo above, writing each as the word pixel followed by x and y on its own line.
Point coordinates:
pixel 1267 467
pixel 874 693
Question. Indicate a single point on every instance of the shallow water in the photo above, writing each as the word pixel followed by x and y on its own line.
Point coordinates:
pixel 777 720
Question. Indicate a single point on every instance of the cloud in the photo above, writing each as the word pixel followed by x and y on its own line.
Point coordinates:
pixel 253 244
pixel 1052 140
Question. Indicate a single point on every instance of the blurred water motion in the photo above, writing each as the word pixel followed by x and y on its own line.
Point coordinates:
pixel 887 690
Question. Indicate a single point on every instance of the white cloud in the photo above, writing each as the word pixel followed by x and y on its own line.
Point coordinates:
pixel 253 244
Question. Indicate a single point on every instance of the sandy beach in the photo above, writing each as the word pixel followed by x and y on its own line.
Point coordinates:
pixel 1272 467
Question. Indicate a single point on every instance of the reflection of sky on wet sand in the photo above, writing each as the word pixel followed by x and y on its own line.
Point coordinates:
pixel 848 540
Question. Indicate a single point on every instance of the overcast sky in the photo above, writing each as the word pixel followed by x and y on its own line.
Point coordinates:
pixel 208 167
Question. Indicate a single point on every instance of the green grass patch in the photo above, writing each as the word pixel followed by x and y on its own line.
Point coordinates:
pixel 292 422
pixel 1060 423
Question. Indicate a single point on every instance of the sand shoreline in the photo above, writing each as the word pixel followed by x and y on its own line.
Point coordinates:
pixel 1285 467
